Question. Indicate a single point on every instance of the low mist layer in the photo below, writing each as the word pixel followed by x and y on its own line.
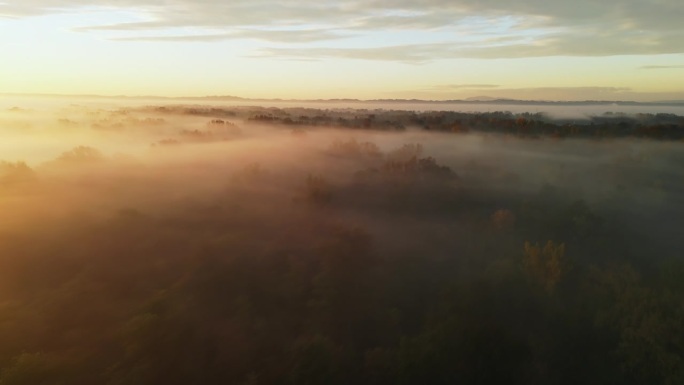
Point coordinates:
pixel 200 244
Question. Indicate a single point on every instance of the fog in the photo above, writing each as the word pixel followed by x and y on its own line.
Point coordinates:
pixel 137 202
pixel 98 159
pixel 561 110
pixel 133 154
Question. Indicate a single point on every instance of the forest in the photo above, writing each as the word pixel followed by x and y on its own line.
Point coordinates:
pixel 191 244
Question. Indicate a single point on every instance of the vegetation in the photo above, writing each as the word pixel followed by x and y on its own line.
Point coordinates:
pixel 357 263
pixel 659 126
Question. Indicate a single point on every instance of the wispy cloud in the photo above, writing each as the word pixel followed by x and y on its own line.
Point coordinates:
pixel 456 87
pixel 579 93
pixel 412 53
pixel 660 67
pixel 290 36
pixel 580 89
pixel 556 45
pixel 466 28
pixel 526 93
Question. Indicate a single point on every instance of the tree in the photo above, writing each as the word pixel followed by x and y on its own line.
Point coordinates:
pixel 545 266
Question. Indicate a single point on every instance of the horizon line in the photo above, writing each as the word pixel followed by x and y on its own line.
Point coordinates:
pixel 479 99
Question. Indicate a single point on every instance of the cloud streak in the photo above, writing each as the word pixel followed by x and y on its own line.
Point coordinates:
pixel 661 67
pixel 300 36
pixel 556 45
pixel 579 93
pixel 453 87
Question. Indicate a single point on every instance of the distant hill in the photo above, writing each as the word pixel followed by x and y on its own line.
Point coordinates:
pixel 485 99
pixel 471 100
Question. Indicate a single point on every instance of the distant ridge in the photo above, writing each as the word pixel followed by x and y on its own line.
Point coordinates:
pixel 472 100
pixel 483 99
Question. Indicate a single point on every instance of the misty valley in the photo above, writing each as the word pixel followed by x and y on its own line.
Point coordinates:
pixel 210 244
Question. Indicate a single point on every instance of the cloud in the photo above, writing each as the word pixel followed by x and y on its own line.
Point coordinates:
pixel 585 44
pixel 266 35
pixel 579 93
pixel 412 53
pixel 657 67
pixel 579 89
pixel 565 93
pixel 453 87
pixel 538 28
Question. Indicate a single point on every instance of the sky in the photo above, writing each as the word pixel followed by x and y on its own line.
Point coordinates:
pixel 366 49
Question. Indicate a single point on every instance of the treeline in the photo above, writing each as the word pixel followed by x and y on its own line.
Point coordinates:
pixel 527 125
pixel 404 271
